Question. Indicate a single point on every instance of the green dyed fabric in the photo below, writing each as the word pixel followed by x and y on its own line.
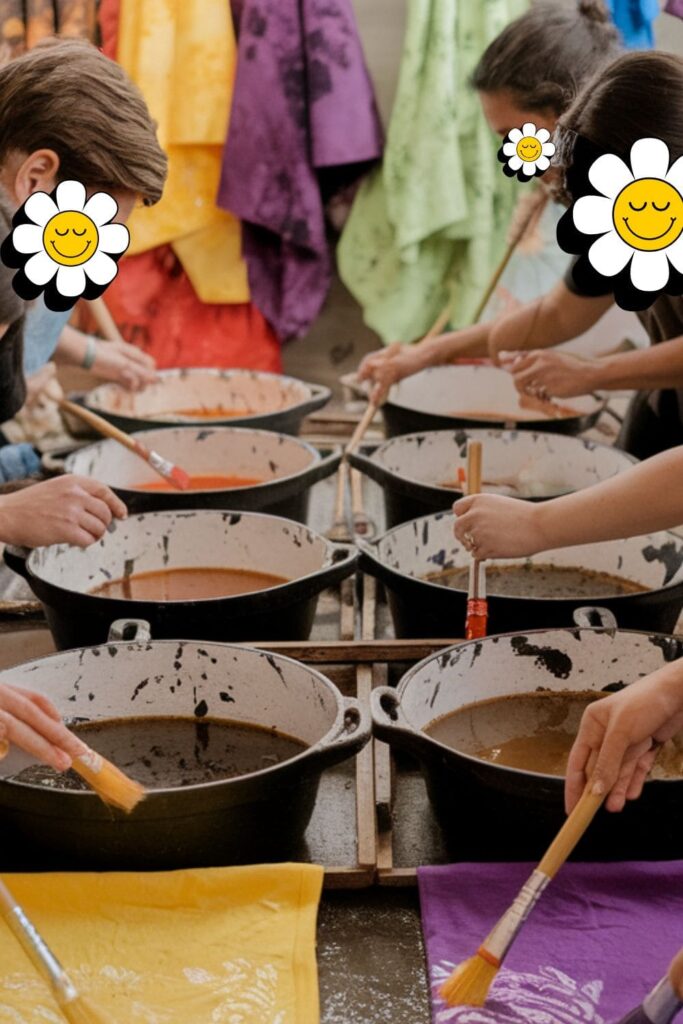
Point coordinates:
pixel 431 222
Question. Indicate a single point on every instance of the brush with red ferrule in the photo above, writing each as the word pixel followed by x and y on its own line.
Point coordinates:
pixel 174 474
pixel 477 606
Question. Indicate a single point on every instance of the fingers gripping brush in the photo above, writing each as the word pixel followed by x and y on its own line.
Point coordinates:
pixel 73 1006
pixel 469 983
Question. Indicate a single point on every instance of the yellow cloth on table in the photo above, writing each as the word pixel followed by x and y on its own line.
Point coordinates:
pixel 182 55
pixel 210 946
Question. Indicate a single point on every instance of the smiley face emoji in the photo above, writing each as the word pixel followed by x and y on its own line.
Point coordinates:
pixel 70 238
pixel 529 148
pixel 648 214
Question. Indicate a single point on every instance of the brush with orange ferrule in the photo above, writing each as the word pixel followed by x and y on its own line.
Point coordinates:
pixel 168 470
pixel 469 983
pixel 109 782
pixel 477 606
pixel 74 1008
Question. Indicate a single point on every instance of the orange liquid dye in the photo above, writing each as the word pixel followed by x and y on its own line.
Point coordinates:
pixel 217 413
pixel 210 482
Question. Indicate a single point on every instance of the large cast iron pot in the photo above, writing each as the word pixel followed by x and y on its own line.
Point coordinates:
pixel 287 466
pixel 413 468
pixel 266 400
pixel 62 577
pixel 421 608
pixel 252 818
pixel 491 812
pixel 443 397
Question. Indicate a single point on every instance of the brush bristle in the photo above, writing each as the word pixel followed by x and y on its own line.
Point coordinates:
pixel 111 785
pixel 469 983
pixel 179 478
pixel 80 1011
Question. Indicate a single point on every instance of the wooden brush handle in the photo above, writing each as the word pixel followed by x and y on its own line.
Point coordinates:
pixel 570 833
pixel 101 425
pixel 474 454
pixel 363 425
pixel 105 321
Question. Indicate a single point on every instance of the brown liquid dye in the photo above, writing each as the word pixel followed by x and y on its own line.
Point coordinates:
pixel 541 580
pixel 187 584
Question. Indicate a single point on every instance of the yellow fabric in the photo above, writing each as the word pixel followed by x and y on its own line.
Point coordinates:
pixel 224 945
pixel 182 54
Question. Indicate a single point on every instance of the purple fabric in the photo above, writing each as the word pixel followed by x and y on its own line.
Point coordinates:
pixel 303 125
pixel 600 938
pixel 674 7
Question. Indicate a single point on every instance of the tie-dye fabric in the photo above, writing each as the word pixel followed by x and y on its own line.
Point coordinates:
pixel 600 938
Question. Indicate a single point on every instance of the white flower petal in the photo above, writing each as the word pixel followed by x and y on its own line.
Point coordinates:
pixel 548 149
pixel 27 238
pixel 514 135
pixel 71 195
pixel 649 159
pixel 528 128
pixel 609 255
pixel 515 163
pixel 593 215
pixel 529 169
pixel 650 270
pixel 675 254
pixel 543 163
pixel 70 281
pixel 101 208
pixel 609 175
pixel 114 238
pixel 509 149
pixel 40 268
pixel 675 175
pixel 100 268
pixel 542 134
pixel 40 207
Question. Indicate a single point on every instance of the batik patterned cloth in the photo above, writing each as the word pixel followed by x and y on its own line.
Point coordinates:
pixel 303 124
pixel 183 947
pixel 600 938
pixel 432 221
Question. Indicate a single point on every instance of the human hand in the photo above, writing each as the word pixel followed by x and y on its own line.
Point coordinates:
pixel 390 365
pixel 492 526
pixel 550 374
pixel 42 384
pixel 619 737
pixel 65 510
pixel 124 364
pixel 30 721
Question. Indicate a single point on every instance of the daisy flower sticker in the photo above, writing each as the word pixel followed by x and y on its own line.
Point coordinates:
pixel 638 218
pixel 526 152
pixel 65 245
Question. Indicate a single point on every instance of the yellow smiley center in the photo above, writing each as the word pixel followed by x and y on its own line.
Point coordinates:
pixel 648 214
pixel 70 238
pixel 528 149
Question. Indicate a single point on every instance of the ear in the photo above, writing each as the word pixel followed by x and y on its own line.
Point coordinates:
pixel 36 172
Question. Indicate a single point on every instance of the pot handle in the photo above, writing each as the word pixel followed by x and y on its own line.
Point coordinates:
pixel 594 617
pixel 390 724
pixel 16 559
pixel 133 631
pixel 53 465
pixel 344 559
pixel 320 396
pixel 353 734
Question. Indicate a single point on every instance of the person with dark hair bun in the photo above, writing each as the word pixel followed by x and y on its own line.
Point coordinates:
pixel 531 71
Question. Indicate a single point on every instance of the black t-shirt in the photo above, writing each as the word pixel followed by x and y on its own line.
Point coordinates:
pixel 12 308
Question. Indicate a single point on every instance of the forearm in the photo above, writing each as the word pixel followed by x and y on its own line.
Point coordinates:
pixel 550 320
pixel 644 499
pixel 660 366
pixel 71 348
pixel 470 342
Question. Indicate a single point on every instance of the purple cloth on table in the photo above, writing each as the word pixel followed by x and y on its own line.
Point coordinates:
pixel 674 7
pixel 303 125
pixel 600 938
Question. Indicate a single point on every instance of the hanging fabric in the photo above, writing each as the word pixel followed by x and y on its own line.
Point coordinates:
pixel 431 222
pixel 634 20
pixel 303 125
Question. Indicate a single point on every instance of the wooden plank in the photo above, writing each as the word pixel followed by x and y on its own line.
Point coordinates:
pixel 354 652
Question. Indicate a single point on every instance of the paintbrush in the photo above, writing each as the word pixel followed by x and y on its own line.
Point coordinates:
pixel 469 983
pixel 108 781
pixel 73 1006
pixel 662 1004
pixel 174 474
pixel 477 605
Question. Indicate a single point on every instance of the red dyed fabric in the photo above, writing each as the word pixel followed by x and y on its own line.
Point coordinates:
pixel 157 309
